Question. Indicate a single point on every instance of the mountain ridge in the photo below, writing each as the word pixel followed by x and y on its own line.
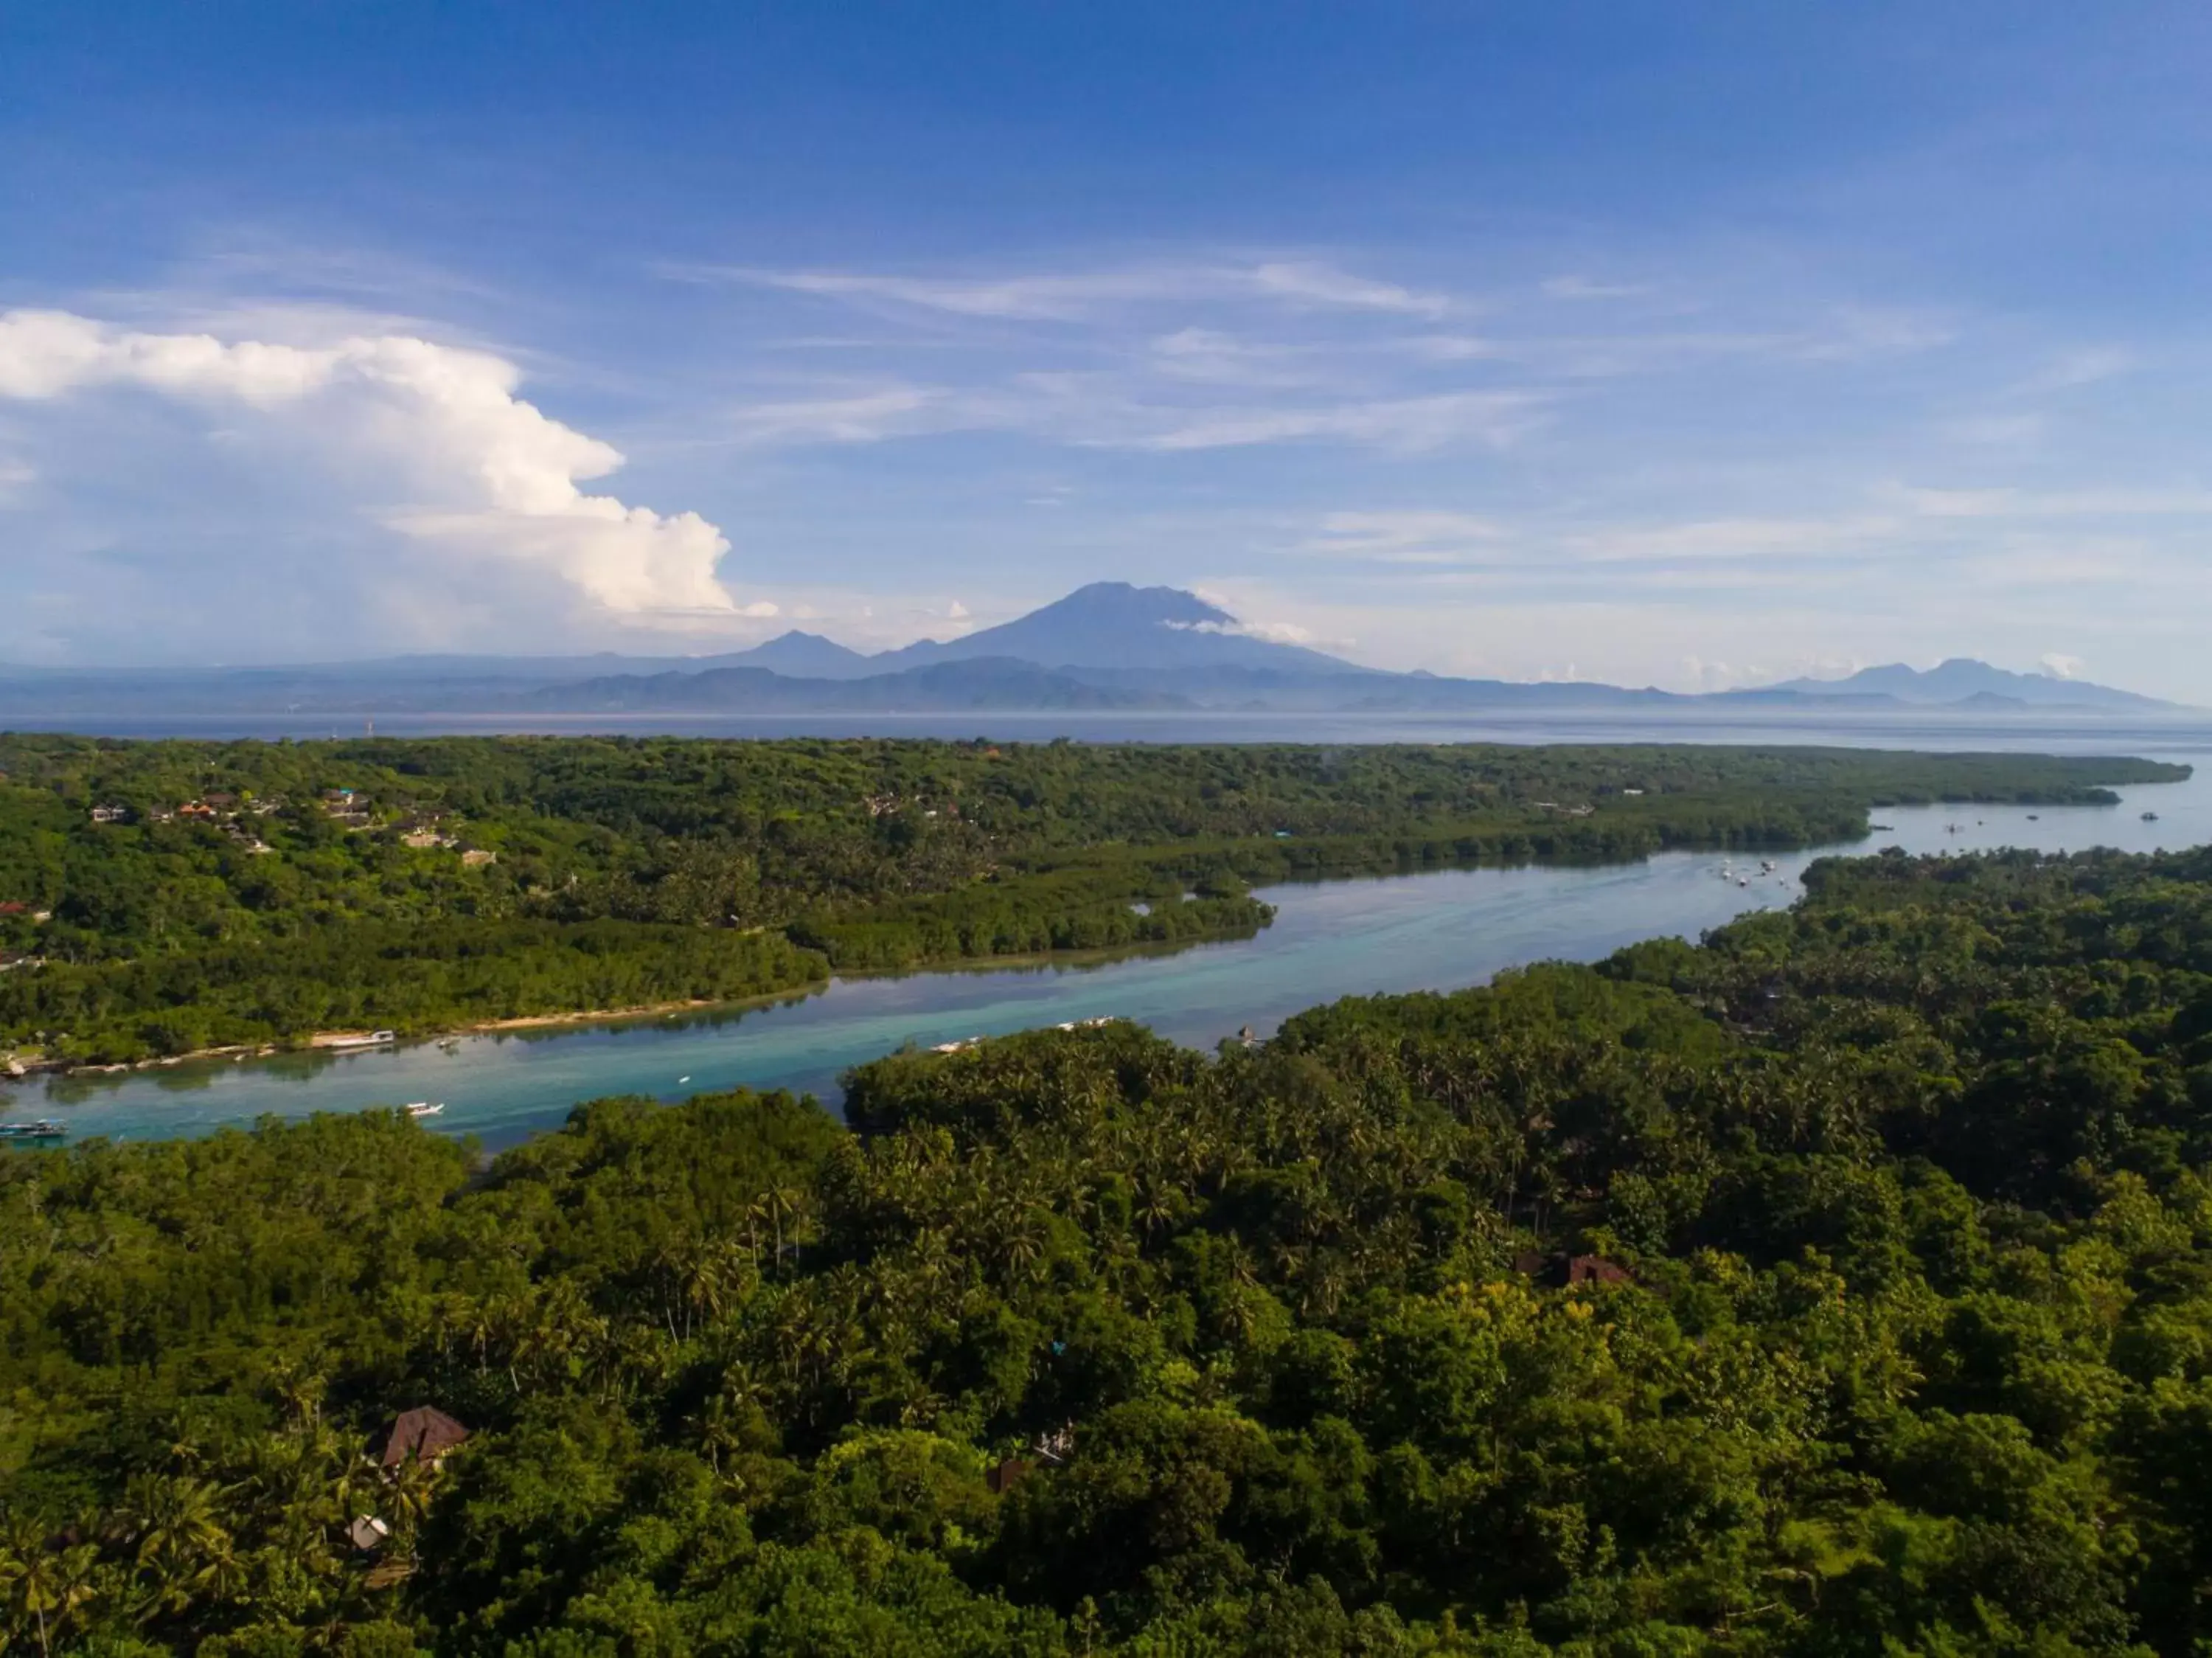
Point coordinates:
pixel 1110 645
pixel 1960 679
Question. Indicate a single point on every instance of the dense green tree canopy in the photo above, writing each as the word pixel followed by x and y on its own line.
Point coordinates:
pixel 1843 1284
pixel 160 897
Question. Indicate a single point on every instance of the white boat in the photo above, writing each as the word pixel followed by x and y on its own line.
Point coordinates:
pixel 373 1039
pixel 425 1108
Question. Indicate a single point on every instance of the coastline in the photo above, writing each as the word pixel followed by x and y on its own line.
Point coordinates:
pixel 1306 869
pixel 317 1042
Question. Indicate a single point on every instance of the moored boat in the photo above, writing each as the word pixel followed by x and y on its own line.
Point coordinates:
pixel 362 1040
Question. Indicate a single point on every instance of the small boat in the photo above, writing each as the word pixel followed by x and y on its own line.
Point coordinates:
pixel 681 1080
pixel 373 1039
pixel 2035 817
pixel 44 1129
pixel 425 1108
pixel 2150 817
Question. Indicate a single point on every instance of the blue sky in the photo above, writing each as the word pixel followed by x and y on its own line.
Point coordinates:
pixel 1688 345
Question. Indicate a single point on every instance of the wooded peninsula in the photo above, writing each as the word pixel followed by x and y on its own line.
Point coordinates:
pixel 158 898
pixel 1842 1285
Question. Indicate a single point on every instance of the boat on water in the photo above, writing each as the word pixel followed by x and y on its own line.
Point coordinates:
pixel 425 1108
pixel 2150 817
pixel 365 1039
pixel 44 1129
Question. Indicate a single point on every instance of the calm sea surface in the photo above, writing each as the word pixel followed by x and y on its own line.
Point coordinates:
pixel 1434 931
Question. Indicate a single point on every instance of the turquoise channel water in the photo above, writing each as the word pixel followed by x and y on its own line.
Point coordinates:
pixel 1440 931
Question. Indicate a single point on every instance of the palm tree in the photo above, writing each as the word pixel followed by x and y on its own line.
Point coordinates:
pixel 174 1517
pixel 46 1585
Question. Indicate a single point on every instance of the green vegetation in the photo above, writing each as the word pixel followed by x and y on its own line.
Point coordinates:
pixel 1892 1215
pixel 159 898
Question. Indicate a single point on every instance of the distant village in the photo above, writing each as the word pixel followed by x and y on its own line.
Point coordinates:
pixel 352 811
pixel 239 817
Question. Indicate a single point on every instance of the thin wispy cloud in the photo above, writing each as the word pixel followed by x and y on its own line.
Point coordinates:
pixel 1409 537
pixel 1494 419
pixel 1316 284
pixel 2038 504
pixel 1070 296
pixel 860 417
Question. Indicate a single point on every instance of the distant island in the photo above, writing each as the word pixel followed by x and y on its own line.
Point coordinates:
pixel 1106 647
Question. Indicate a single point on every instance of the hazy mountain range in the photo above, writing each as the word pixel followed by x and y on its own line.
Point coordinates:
pixel 1106 646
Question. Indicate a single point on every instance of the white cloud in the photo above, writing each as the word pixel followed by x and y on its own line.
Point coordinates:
pixel 1309 284
pixel 1279 633
pixel 1406 537
pixel 2057 503
pixel 1734 537
pixel 2062 667
pixel 450 454
pixel 1853 332
pixel 1071 296
pixel 864 417
pixel 1209 356
pixel 1493 418
pixel 2082 366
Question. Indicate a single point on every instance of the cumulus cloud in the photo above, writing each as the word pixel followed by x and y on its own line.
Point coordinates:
pixel 2060 666
pixel 446 452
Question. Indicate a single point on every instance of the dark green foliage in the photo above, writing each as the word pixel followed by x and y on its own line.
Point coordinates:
pixel 467 878
pixel 1891 1216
